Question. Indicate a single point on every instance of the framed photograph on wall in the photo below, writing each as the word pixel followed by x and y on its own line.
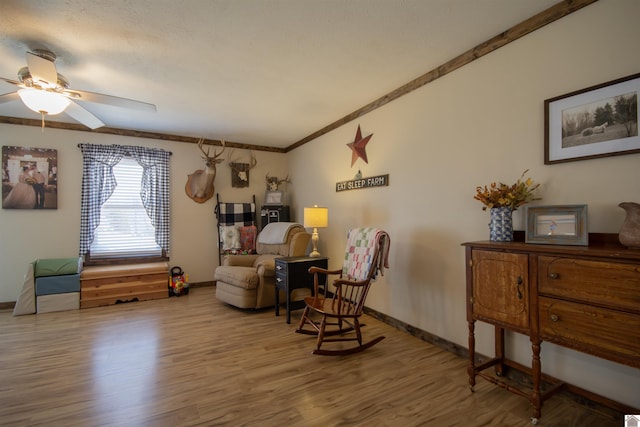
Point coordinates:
pixel 598 121
pixel 557 225
pixel 29 178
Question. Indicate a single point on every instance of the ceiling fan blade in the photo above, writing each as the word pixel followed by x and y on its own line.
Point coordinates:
pixel 8 97
pixel 99 98
pixel 42 69
pixel 13 82
pixel 78 113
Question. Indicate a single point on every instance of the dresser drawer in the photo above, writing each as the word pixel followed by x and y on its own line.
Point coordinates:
pixel 281 274
pixel 595 330
pixel 280 266
pixel 613 284
pixel 281 280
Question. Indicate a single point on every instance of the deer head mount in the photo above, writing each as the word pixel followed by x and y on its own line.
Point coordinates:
pixel 199 185
pixel 273 183
pixel 240 171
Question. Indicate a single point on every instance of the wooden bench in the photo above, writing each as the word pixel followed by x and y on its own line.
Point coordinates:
pixel 112 284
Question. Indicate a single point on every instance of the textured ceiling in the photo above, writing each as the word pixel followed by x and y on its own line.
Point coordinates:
pixel 263 72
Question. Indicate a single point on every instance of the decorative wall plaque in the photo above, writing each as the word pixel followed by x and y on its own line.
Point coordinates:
pixel 362 183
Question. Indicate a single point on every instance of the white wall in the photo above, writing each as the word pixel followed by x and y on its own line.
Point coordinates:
pixel 26 235
pixel 482 123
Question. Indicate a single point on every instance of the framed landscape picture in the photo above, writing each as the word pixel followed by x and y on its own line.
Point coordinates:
pixel 29 178
pixel 598 121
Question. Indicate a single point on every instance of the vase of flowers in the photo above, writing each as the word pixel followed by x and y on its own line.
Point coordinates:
pixel 502 200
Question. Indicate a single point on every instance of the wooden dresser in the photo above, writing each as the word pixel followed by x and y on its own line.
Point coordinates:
pixel 583 297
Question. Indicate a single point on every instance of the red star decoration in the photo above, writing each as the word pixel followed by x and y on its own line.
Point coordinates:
pixel 358 147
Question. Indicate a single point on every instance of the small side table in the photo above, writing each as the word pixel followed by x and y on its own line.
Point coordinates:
pixel 293 273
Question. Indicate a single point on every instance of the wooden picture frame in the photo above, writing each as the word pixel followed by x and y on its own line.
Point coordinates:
pixel 557 225
pixel 240 174
pixel 599 121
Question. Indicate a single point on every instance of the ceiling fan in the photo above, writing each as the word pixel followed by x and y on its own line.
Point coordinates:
pixel 45 91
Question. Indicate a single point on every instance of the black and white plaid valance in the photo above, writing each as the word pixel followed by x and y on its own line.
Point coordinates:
pixel 98 184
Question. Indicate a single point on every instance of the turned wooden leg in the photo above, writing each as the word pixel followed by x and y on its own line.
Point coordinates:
pixel 356 325
pixel 323 325
pixel 536 372
pixel 303 318
pixel 499 350
pixel 471 369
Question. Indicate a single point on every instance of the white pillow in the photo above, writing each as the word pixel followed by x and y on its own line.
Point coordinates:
pixel 230 237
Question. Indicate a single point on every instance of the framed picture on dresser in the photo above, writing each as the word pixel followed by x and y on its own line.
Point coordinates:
pixel 557 225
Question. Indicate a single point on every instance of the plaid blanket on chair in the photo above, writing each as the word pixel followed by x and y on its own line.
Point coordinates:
pixel 237 214
pixel 362 245
pixel 236 228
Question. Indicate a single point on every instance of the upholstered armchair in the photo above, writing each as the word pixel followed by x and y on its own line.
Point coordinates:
pixel 248 281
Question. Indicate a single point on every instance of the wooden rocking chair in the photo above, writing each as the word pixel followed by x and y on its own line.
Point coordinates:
pixel 341 307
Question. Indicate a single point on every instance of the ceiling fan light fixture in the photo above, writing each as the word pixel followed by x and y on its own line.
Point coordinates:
pixel 44 102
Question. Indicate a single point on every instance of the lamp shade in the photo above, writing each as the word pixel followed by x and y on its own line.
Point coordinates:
pixel 44 102
pixel 316 217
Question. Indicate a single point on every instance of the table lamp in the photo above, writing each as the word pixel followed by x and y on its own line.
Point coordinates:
pixel 316 217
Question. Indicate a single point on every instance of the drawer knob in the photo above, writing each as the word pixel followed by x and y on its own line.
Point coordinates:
pixel 553 275
pixel 554 318
pixel 278 267
pixel 278 279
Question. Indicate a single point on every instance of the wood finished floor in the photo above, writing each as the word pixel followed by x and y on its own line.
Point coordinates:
pixel 192 361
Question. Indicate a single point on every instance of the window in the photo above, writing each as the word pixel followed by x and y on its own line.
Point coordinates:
pixel 125 203
pixel 125 228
